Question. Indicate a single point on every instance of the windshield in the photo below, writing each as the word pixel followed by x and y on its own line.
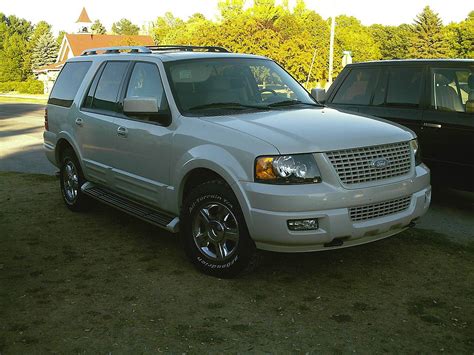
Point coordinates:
pixel 232 85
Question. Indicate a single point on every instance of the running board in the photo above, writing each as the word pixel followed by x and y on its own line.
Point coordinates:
pixel 156 217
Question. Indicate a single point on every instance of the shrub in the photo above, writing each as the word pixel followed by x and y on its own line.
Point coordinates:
pixel 23 87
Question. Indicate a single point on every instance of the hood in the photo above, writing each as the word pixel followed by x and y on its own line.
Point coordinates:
pixel 314 129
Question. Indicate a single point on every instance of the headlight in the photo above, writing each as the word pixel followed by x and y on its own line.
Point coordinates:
pixel 416 150
pixel 287 169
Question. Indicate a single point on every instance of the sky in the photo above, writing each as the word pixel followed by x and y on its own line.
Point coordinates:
pixel 62 14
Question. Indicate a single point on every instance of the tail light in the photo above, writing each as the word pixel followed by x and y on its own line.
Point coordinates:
pixel 46 125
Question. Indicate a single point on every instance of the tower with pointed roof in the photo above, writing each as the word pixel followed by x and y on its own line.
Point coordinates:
pixel 84 22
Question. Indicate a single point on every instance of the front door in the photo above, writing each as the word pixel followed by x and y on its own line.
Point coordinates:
pixel 398 95
pixel 143 144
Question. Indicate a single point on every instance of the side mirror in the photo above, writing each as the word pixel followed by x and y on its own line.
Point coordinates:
pixel 141 106
pixel 319 95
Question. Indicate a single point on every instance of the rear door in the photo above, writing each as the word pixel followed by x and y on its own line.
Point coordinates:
pixel 96 122
pixel 448 124
pixel 142 145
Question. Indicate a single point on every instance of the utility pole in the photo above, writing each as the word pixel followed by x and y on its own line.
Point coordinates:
pixel 331 49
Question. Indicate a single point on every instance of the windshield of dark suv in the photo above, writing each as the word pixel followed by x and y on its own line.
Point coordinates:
pixel 207 87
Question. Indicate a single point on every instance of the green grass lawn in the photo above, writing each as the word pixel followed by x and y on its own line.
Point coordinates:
pixel 102 281
pixel 23 98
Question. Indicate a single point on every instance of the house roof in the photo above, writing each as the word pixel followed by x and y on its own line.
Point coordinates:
pixel 83 17
pixel 80 42
pixel 50 67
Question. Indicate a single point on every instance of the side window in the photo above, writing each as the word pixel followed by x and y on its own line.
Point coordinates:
pixel 404 86
pixel 145 82
pixel 450 89
pixel 68 83
pixel 106 93
pixel 358 87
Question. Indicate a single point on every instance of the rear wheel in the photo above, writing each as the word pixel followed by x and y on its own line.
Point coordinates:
pixel 71 180
pixel 214 233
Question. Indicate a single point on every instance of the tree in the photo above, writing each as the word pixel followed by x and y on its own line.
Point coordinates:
pixel 59 39
pixel 125 27
pixel 45 51
pixel 460 37
pixel 393 41
pixel 428 40
pixel 15 53
pixel 352 36
pixel 98 28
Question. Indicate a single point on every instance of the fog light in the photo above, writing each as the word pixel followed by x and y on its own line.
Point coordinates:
pixel 303 224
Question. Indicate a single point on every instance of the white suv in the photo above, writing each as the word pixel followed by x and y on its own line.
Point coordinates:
pixel 231 151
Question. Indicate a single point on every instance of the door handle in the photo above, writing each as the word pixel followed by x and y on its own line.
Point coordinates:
pixel 432 125
pixel 79 121
pixel 122 131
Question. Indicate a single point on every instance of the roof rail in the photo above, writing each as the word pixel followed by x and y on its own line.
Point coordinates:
pixel 113 50
pixel 180 48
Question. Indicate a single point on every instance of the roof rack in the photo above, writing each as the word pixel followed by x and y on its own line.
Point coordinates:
pixel 114 50
pixel 180 48
pixel 151 49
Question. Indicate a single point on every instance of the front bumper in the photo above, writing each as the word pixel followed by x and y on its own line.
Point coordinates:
pixel 267 221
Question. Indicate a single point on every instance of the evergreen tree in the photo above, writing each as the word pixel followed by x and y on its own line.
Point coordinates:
pixel 428 40
pixel 98 28
pixel 45 51
pixel 59 39
pixel 125 27
pixel 14 51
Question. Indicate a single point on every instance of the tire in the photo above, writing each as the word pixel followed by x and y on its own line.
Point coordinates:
pixel 71 179
pixel 214 233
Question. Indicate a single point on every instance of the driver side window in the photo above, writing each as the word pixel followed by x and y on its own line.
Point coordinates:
pixel 145 82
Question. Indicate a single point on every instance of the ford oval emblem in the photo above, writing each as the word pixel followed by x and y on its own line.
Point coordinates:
pixel 380 163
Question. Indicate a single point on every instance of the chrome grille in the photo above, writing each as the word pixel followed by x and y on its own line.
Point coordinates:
pixel 362 213
pixel 356 165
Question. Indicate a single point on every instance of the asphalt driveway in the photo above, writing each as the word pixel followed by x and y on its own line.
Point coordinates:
pixel 21 139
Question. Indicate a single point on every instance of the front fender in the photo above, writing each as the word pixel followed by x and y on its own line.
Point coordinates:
pixel 218 160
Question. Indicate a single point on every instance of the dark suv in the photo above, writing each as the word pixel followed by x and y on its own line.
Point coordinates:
pixel 434 98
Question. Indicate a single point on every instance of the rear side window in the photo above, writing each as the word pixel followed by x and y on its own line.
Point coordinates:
pixel 358 87
pixel 107 91
pixel 404 86
pixel 68 82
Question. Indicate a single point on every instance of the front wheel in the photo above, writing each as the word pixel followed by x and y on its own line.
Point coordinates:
pixel 214 233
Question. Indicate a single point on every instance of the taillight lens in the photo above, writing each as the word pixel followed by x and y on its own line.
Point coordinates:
pixel 46 125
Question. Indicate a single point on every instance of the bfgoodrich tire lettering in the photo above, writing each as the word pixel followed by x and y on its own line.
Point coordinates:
pixel 213 231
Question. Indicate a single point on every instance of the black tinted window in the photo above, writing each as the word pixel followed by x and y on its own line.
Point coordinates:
pixel 404 86
pixel 106 94
pixel 358 87
pixel 68 82
pixel 452 89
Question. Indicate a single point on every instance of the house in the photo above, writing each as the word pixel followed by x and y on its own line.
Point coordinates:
pixel 73 45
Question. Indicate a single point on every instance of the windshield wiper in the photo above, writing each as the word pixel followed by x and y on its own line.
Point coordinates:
pixel 227 105
pixel 292 103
